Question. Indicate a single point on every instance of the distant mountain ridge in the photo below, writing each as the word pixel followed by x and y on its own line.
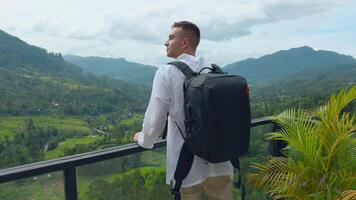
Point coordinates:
pixel 117 68
pixel 35 82
pixel 285 62
pixel 15 53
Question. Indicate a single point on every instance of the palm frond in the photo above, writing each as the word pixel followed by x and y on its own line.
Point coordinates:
pixel 348 195
pixel 338 102
pixel 275 174
pixel 320 153
pixel 297 128
pixel 329 115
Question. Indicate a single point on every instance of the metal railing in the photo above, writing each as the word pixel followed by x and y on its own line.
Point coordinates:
pixel 69 164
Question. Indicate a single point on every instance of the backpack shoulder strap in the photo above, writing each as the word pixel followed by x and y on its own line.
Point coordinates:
pixel 238 184
pixel 185 162
pixel 184 68
pixel 165 129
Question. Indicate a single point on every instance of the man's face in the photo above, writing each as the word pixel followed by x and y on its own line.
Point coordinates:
pixel 174 43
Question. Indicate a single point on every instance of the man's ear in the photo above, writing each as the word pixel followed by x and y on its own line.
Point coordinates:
pixel 185 42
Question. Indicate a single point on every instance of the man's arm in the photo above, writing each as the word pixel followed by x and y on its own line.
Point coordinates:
pixel 156 112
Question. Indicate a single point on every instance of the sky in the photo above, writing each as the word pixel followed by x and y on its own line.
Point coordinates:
pixel 231 30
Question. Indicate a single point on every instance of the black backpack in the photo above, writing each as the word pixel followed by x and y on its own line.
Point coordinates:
pixel 217 119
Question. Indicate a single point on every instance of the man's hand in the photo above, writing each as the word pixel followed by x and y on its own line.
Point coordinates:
pixel 135 137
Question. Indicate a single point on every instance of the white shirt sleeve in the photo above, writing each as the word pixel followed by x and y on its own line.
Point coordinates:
pixel 157 109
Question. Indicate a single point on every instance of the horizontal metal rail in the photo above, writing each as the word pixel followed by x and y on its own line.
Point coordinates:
pixel 70 163
pixel 34 169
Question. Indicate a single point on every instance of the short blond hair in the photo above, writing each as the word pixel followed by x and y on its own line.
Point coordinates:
pixel 192 28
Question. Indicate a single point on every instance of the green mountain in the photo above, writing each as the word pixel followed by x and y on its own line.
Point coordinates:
pixel 17 54
pixel 308 88
pixel 35 82
pixel 282 63
pixel 298 77
pixel 310 82
pixel 115 68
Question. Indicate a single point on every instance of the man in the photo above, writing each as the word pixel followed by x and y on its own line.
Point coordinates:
pixel 215 180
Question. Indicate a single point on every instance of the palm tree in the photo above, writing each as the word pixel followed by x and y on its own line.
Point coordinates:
pixel 319 161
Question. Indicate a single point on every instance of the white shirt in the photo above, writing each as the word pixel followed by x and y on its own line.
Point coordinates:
pixel 167 96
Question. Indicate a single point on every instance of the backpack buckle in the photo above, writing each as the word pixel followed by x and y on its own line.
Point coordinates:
pixel 175 192
pixel 237 184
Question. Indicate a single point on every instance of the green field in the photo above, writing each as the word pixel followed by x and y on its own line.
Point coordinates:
pixel 47 186
pixel 69 144
pixel 148 172
pixel 51 188
pixel 10 125
pixel 145 171
pixel 154 158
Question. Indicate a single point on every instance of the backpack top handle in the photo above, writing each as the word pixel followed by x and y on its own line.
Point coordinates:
pixel 217 69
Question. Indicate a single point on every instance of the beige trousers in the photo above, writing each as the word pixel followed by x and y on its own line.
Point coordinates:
pixel 216 188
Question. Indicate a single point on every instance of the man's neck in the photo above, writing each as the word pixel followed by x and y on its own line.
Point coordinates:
pixel 188 53
pixel 192 53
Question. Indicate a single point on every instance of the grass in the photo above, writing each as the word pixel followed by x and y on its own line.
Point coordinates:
pixel 145 171
pixel 52 189
pixel 82 186
pixel 41 187
pixel 83 182
pixel 68 144
pixel 10 125
pixel 154 158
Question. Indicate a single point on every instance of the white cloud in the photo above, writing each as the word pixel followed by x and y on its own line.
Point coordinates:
pixel 231 30
pixel 144 22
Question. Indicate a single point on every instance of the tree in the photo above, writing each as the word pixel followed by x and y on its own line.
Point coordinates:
pixel 99 189
pixel 319 160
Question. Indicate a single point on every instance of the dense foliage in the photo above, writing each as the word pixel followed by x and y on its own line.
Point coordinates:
pixel 120 69
pixel 319 161
pixel 38 94
pixel 46 84
pixel 17 53
pixel 136 184
pixel 306 89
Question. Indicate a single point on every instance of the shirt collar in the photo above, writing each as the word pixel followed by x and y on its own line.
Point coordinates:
pixel 194 62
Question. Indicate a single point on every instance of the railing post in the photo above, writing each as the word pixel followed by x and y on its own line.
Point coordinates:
pixel 70 183
pixel 275 146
